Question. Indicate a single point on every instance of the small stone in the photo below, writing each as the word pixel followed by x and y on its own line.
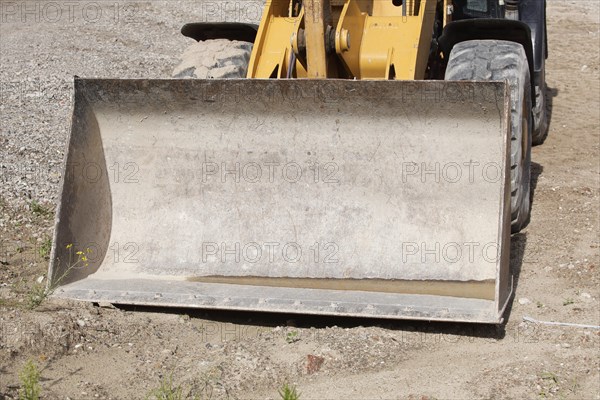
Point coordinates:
pixel 524 300
pixel 585 295
pixel 81 323
pixel 313 363
pixel 40 279
pixel 105 304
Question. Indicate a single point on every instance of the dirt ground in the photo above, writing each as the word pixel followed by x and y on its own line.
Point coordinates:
pixel 87 351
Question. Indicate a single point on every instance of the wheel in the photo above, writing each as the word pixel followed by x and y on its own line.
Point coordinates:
pixel 499 60
pixel 540 114
pixel 218 58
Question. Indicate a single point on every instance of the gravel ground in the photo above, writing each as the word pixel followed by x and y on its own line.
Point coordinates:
pixel 44 45
pixel 86 351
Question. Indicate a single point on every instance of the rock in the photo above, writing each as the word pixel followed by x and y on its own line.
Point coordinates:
pixel 40 279
pixel 104 304
pixel 585 295
pixel 313 363
pixel 524 300
pixel 81 323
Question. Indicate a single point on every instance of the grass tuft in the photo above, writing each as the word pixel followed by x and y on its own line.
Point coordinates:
pixel 30 382
pixel 44 250
pixel 288 392
pixel 36 296
pixel 166 391
pixel 39 209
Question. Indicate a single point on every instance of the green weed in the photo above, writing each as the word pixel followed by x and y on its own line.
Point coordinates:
pixel 39 293
pixel 44 250
pixel 169 391
pixel 39 209
pixel 288 392
pixel 30 382
pixel 568 301
pixel 292 337
pixel 166 391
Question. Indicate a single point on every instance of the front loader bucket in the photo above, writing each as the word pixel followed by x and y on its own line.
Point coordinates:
pixel 359 198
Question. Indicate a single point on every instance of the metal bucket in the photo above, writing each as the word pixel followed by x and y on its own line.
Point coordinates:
pixel 361 198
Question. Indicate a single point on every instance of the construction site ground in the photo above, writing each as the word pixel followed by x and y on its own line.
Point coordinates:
pixel 87 351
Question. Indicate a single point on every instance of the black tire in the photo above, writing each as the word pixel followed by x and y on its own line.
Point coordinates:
pixel 540 115
pixel 500 60
pixel 215 59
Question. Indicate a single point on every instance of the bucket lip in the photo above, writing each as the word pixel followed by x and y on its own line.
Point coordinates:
pixel 181 294
pixel 326 91
pixel 499 83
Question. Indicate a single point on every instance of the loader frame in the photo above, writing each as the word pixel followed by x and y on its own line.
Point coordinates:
pixel 280 39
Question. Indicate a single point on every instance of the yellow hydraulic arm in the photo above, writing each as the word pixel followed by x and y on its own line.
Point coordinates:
pixel 353 39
